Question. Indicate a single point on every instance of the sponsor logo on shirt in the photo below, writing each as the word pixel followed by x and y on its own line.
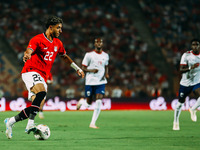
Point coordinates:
pixel 46 48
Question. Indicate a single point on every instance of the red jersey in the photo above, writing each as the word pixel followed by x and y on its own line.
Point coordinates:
pixel 44 54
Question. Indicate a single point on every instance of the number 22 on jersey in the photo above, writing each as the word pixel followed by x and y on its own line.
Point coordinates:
pixel 48 56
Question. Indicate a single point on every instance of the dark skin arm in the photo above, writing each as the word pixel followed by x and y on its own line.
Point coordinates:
pixel 67 59
pixel 96 70
pixel 186 68
pixel 89 70
pixel 106 72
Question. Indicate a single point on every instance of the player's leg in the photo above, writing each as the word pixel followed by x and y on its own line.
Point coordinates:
pixel 88 100
pixel 41 114
pixel 177 113
pixel 9 122
pixel 100 90
pixel 40 92
pixel 28 79
pixel 192 109
pixel 24 114
pixel 85 102
pixel 183 92
pixel 37 88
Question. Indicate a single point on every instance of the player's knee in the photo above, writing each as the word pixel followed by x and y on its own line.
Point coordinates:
pixel 39 97
pixel 38 88
pixel 98 104
pixel 99 96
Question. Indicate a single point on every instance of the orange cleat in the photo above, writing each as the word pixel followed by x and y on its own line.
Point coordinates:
pixel 93 126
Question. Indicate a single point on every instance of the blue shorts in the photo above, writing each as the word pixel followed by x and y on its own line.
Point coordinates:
pixel 186 90
pixel 91 90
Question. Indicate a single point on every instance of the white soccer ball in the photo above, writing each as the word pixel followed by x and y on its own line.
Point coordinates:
pixel 43 132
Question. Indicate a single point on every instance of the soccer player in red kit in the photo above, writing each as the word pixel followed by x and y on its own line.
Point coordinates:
pixel 38 58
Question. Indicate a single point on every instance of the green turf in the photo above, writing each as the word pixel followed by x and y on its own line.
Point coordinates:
pixel 119 130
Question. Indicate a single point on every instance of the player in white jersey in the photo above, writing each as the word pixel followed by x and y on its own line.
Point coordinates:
pixel 95 64
pixel 190 81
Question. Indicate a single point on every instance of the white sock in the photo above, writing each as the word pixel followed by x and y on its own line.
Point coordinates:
pixel 96 112
pixel 12 121
pixel 177 112
pixel 30 122
pixel 84 103
pixel 196 105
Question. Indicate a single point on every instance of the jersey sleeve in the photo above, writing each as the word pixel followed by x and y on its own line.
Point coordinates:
pixel 86 60
pixel 183 59
pixel 62 50
pixel 33 44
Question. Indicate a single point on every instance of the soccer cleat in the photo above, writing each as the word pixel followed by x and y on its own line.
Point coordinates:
pixel 93 126
pixel 8 128
pixel 193 114
pixel 176 126
pixel 79 104
pixel 41 115
pixel 31 128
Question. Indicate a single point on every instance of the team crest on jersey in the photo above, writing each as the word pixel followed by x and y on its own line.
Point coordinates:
pixel 88 93
pixel 55 48
pixel 181 94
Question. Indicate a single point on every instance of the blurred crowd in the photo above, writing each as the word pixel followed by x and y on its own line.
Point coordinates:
pixel 131 72
pixel 174 24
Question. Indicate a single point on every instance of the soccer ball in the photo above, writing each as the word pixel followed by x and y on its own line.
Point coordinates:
pixel 43 132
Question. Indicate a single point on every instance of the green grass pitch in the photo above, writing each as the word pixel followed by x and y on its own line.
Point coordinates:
pixel 119 130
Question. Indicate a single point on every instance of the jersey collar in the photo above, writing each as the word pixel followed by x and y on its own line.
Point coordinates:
pixel 195 54
pixel 97 52
pixel 47 38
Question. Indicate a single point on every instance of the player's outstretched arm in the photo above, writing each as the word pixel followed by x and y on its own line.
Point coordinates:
pixel 27 54
pixel 69 61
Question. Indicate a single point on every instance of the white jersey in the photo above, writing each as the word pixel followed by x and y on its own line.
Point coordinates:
pixel 94 60
pixel 191 77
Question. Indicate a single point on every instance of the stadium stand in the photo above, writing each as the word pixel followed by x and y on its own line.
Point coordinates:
pixel 10 78
pixel 130 67
pixel 174 24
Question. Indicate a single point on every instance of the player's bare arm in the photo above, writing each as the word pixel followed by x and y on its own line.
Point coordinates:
pixel 89 70
pixel 186 68
pixel 69 61
pixel 27 54
pixel 106 72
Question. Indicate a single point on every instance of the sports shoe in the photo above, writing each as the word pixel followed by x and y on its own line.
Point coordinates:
pixel 79 104
pixel 41 115
pixel 93 126
pixel 31 128
pixel 8 128
pixel 193 114
pixel 176 126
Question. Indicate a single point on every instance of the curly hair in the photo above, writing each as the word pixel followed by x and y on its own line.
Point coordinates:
pixel 52 20
pixel 194 40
